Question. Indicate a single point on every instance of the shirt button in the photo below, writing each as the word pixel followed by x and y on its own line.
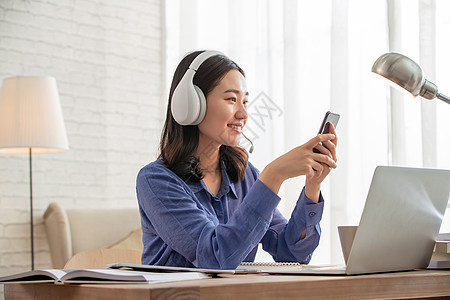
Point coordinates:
pixel 312 214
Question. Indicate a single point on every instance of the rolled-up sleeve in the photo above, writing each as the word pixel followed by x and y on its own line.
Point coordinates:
pixel 171 209
pixel 282 239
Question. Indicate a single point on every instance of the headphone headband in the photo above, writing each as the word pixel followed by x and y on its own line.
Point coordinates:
pixel 196 63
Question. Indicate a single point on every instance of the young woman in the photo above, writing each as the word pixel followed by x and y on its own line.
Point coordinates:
pixel 202 203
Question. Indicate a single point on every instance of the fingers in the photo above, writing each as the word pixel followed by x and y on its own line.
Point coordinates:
pixel 328 141
pixel 317 169
pixel 319 172
pixel 312 143
pixel 324 150
pixel 303 161
pixel 333 131
pixel 324 159
pixel 332 144
pixel 331 147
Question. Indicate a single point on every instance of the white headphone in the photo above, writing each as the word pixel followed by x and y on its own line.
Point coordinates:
pixel 188 101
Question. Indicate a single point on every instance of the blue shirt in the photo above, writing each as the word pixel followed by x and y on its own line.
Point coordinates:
pixel 185 225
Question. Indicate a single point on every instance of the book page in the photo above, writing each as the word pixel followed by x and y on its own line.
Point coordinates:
pixel 442 247
pixel 112 275
pixel 48 275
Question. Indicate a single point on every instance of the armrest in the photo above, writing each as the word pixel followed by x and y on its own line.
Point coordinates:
pixel 58 235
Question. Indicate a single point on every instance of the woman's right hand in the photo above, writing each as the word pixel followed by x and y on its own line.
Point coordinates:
pixel 301 160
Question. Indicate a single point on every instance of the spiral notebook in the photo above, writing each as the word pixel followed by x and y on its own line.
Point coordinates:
pixel 292 268
pixel 269 267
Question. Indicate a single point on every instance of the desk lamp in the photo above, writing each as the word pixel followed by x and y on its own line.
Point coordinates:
pixel 31 121
pixel 407 74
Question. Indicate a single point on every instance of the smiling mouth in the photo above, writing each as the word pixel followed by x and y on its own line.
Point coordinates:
pixel 238 129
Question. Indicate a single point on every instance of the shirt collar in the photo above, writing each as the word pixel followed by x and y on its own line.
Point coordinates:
pixel 195 186
pixel 225 187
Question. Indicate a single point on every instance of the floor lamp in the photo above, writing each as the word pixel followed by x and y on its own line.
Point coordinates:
pixel 31 121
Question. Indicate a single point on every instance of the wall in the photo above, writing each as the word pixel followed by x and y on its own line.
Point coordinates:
pixel 107 59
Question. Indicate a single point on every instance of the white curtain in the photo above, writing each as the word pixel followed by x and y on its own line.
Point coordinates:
pixel 303 58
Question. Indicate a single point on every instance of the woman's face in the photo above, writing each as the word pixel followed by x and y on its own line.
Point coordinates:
pixel 225 112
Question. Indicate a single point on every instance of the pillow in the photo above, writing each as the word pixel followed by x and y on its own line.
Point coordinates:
pixel 59 237
pixel 132 241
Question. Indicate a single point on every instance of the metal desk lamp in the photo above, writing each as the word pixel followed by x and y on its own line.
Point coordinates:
pixel 407 74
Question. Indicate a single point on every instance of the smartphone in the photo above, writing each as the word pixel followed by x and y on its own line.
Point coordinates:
pixel 330 117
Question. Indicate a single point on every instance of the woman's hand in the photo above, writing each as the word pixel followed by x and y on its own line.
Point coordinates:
pixel 313 181
pixel 303 160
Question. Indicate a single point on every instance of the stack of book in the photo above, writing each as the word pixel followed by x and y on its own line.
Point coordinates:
pixel 441 254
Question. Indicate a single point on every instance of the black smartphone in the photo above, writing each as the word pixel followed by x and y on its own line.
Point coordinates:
pixel 330 117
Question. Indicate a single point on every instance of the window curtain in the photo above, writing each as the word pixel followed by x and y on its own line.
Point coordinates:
pixel 303 58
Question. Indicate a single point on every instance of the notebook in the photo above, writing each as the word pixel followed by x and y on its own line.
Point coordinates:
pixel 399 224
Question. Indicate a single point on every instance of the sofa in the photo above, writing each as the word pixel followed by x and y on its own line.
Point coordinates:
pixel 75 230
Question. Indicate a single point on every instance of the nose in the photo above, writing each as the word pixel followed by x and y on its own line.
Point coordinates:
pixel 241 112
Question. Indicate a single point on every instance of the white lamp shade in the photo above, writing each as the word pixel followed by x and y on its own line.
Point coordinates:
pixel 31 116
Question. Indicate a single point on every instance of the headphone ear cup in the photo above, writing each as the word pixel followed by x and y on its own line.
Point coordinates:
pixel 185 101
pixel 202 105
pixel 188 105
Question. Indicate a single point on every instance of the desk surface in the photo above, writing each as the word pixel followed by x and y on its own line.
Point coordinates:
pixel 414 284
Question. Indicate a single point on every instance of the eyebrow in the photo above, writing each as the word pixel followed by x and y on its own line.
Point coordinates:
pixel 235 91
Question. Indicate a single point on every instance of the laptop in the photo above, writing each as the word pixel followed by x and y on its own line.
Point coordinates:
pixel 399 224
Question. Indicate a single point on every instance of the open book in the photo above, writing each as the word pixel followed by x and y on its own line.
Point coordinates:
pixel 97 275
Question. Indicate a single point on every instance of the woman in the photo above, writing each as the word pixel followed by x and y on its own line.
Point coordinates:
pixel 202 203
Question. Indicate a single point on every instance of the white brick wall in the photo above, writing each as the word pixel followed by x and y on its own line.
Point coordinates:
pixel 106 58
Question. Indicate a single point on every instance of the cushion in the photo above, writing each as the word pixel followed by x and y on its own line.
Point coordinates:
pixel 74 230
pixel 132 241
pixel 98 228
pixel 58 234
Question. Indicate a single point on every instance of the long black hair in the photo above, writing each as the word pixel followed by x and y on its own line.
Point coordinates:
pixel 179 143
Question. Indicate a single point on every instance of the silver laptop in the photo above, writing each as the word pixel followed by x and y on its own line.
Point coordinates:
pixel 400 222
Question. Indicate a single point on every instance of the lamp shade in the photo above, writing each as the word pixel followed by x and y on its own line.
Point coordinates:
pixel 31 116
pixel 406 73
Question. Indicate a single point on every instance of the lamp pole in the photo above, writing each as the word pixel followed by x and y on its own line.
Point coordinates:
pixel 31 211
pixel 443 98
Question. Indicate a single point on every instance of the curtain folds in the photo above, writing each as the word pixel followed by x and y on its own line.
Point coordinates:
pixel 303 58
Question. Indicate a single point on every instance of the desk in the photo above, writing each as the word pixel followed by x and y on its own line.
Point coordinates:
pixel 414 284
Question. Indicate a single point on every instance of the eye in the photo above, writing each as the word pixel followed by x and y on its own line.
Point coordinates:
pixel 232 99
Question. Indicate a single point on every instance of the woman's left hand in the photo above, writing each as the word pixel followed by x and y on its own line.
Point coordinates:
pixel 313 182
